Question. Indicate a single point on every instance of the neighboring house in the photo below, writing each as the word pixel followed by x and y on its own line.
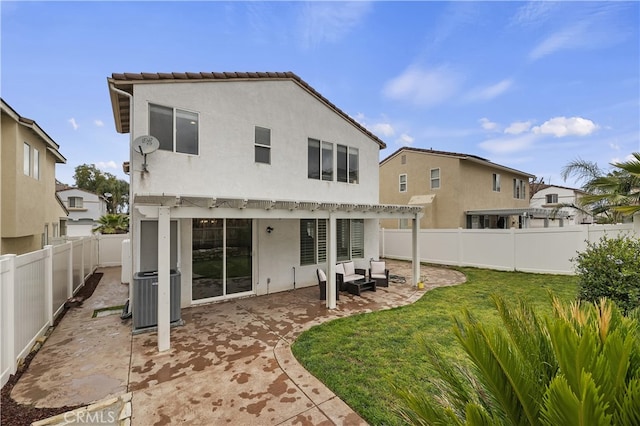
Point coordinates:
pixel 31 215
pixel 85 208
pixel 547 198
pixel 456 190
pixel 258 181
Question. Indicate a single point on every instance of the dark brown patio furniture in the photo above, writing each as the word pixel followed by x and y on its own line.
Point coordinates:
pixel 379 272
pixel 358 286
pixel 322 283
pixel 347 272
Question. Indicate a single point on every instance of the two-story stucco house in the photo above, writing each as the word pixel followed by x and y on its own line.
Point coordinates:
pixel 549 198
pixel 456 190
pixel 30 213
pixel 258 181
pixel 85 208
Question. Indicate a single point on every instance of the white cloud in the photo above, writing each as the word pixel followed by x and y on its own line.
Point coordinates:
pixel 330 21
pixel 504 145
pixel 488 124
pixel 426 87
pixel 405 140
pixel 563 126
pixel 98 123
pixel 489 92
pixel 533 13
pixel 73 123
pixel 106 165
pixel 384 129
pixel 518 127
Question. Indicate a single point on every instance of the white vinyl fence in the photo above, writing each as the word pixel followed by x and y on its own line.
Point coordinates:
pixel 35 286
pixel 540 250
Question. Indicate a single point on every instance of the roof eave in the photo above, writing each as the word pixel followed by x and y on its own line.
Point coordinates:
pixel 126 81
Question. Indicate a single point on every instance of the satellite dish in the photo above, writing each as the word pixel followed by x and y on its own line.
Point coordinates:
pixel 146 144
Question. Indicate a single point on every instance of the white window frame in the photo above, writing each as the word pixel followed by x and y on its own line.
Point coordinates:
pixel 352 240
pixel 259 146
pixel 174 116
pixel 319 231
pixel 402 183
pixel 35 172
pixel 327 176
pixel 435 180
pixel 75 202
pixel 26 163
pixel 496 182
pixel 519 190
pixel 551 198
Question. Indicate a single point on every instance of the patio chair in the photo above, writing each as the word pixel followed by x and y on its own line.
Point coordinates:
pixel 322 283
pixel 379 273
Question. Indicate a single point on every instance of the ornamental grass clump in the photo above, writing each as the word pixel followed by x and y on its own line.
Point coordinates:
pixel 610 268
pixel 579 367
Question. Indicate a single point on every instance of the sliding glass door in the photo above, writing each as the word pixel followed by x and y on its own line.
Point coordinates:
pixel 221 261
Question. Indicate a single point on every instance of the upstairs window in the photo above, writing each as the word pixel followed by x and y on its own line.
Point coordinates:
pixel 176 129
pixel 31 161
pixel 496 182
pixel 320 160
pixel 36 164
pixel 26 164
pixel 348 164
pixel 552 198
pixel 75 202
pixel 519 190
pixel 353 165
pixel 435 178
pixel 263 145
pixel 403 183
pixel 327 161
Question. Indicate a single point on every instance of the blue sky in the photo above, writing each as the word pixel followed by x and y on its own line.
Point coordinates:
pixel 529 85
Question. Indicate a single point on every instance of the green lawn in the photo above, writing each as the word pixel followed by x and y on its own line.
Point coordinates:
pixel 361 357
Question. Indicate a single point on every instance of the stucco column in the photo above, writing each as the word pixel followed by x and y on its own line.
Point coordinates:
pixel 415 249
pixel 164 299
pixel 636 224
pixel 331 262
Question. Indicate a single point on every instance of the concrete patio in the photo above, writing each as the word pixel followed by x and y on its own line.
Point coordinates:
pixel 230 363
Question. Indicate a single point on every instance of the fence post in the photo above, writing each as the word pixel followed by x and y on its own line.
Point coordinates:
pixel 82 262
pixel 70 270
pixel 10 305
pixel 48 282
pixel 636 224
pixel 460 248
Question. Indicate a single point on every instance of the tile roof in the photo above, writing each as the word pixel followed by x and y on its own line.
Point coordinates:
pixel 125 82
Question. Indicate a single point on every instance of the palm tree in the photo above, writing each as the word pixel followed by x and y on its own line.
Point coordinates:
pixel 612 197
pixel 581 367
pixel 113 223
pixel 632 168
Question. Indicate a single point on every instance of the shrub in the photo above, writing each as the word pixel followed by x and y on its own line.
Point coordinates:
pixel 610 268
pixel 580 367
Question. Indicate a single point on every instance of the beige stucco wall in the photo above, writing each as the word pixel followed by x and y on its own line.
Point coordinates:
pixel 27 203
pixel 464 185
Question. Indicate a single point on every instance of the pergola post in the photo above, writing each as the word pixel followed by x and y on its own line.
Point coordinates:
pixel 331 262
pixel 164 270
pixel 415 249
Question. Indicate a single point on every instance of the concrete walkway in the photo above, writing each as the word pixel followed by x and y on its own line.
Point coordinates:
pixel 231 362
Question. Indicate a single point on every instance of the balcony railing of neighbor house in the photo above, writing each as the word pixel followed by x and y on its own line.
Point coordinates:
pixel 35 286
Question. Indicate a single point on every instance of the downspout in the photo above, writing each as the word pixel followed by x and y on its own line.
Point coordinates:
pixel 131 177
